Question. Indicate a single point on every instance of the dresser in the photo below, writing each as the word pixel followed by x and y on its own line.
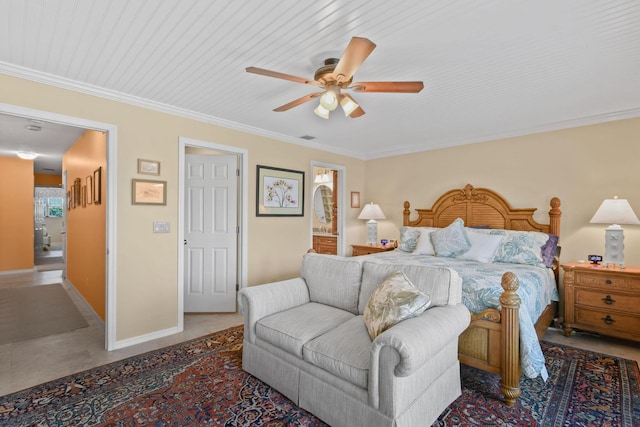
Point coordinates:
pixel 602 299
pixel 358 250
pixel 325 244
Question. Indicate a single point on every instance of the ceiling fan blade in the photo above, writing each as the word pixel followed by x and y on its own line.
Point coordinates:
pixel 297 102
pixel 278 75
pixel 403 87
pixel 354 55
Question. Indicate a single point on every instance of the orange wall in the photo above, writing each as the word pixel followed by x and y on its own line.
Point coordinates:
pixel 16 214
pixel 48 180
pixel 86 226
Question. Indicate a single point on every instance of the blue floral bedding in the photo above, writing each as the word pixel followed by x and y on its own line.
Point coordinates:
pixel 481 289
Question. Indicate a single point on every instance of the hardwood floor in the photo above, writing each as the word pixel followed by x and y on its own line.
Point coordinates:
pixel 31 362
pixel 27 363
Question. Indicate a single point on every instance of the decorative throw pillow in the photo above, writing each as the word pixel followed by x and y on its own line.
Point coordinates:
pixel 520 247
pixel 451 241
pixel 395 300
pixel 483 247
pixel 424 245
pixel 548 250
pixel 408 238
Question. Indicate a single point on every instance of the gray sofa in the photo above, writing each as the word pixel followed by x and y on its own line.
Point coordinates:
pixel 306 337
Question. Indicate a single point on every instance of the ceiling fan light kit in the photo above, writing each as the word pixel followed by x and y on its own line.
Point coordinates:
pixel 336 75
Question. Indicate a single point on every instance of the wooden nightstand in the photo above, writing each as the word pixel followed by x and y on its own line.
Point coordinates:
pixel 369 249
pixel 601 299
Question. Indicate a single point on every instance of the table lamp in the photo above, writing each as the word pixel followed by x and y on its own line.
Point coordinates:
pixel 371 212
pixel 615 212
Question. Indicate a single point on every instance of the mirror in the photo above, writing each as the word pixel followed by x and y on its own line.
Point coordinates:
pixel 322 203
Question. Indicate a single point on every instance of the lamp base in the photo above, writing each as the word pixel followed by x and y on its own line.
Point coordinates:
pixel 614 246
pixel 372 232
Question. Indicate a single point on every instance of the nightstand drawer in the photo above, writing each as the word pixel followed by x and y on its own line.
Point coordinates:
pixel 606 301
pixel 607 320
pixel 607 281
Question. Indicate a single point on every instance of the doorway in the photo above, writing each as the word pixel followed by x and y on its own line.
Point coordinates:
pixel 327 189
pixel 109 198
pixel 220 154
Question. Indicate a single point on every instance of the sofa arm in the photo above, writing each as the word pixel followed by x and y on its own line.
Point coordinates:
pixel 260 301
pixel 409 345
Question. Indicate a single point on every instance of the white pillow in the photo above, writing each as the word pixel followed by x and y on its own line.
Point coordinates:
pixel 424 245
pixel 483 247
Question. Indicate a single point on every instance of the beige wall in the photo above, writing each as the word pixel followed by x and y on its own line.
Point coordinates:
pixel 146 277
pixel 582 166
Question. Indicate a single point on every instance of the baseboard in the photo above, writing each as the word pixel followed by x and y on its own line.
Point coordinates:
pixel 144 338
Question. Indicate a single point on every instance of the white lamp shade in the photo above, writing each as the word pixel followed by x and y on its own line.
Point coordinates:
pixel 615 211
pixel 371 211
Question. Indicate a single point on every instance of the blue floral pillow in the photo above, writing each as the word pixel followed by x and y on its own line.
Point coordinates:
pixel 451 241
pixel 409 237
pixel 520 247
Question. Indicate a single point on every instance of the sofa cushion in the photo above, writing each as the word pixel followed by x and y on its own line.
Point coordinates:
pixel 343 351
pixel 443 285
pixel 333 280
pixel 293 328
pixel 395 300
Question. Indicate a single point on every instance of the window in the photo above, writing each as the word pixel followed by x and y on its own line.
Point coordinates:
pixel 54 207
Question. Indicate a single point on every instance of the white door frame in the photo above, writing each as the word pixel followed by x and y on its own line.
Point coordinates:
pixel 243 190
pixel 112 138
pixel 342 185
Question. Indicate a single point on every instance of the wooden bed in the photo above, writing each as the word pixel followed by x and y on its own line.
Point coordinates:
pixel 491 342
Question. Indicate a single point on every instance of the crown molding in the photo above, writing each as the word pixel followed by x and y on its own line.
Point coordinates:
pixel 88 89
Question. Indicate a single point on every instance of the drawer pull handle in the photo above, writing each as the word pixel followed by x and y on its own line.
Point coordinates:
pixel 608 300
pixel 608 281
pixel 608 320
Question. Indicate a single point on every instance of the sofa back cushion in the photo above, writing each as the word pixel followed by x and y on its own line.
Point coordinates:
pixel 333 280
pixel 443 285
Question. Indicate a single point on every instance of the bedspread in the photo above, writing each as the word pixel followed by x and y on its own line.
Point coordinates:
pixel 481 289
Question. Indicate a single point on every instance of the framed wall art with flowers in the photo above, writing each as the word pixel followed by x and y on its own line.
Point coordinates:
pixel 279 192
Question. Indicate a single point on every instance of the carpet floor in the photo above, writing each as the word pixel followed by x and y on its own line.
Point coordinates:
pixel 201 382
pixel 36 311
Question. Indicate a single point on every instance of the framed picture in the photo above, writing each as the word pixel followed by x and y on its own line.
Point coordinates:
pixel 83 196
pixel 97 185
pixel 279 192
pixel 355 199
pixel 69 200
pixel 148 192
pixel 77 186
pixel 72 197
pixel 89 188
pixel 148 167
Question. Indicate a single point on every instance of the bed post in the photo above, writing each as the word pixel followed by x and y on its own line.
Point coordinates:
pixel 510 302
pixel 406 213
pixel 554 216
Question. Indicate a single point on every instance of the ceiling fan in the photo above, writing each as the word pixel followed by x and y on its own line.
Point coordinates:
pixel 337 75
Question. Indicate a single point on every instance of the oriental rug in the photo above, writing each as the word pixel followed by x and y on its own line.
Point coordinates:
pixel 201 382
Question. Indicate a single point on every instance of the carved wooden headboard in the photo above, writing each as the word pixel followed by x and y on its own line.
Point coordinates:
pixel 480 207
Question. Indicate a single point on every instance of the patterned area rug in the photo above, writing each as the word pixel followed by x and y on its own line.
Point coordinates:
pixel 201 382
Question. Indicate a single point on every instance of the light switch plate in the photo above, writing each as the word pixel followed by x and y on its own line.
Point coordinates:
pixel 161 227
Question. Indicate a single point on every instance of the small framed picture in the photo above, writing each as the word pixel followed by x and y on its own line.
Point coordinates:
pixel 355 199
pixel 97 185
pixel 148 167
pixel 89 187
pixel 148 192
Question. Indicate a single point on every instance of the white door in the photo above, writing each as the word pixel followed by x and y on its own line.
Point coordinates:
pixel 210 257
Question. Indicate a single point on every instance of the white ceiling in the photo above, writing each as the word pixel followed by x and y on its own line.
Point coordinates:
pixel 491 69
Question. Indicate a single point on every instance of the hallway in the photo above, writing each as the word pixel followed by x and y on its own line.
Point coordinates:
pixel 27 363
